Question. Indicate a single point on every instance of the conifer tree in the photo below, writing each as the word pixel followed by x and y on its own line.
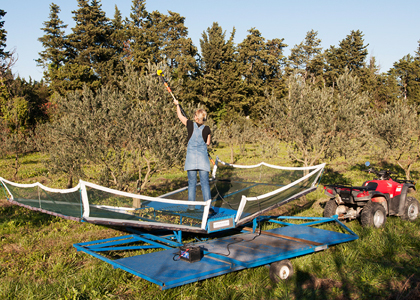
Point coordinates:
pixel 350 54
pixel 261 63
pixel 221 84
pixel 307 57
pixel 173 31
pixel 53 57
pixel 158 38
pixel 117 39
pixel 178 53
pixel 3 32
pixel 142 42
pixel 407 72
pixel 90 49
pixel 382 89
pixel 6 58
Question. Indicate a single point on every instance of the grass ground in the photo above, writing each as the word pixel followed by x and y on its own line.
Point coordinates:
pixel 38 261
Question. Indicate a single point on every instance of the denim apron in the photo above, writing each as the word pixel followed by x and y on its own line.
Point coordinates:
pixel 197 157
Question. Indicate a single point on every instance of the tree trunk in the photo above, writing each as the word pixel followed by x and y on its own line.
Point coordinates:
pixel 70 182
pixel 149 170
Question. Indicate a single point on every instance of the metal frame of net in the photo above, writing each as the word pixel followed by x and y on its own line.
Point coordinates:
pixel 256 189
pixel 238 192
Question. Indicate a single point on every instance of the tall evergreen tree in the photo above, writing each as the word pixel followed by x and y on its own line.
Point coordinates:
pixel 90 49
pixel 3 32
pixel 382 88
pixel 4 55
pixel 307 57
pixel 53 57
pixel 407 72
pixel 177 51
pixel 261 63
pixel 142 42
pixel 350 54
pixel 156 38
pixel 117 40
pixel 173 31
pixel 221 84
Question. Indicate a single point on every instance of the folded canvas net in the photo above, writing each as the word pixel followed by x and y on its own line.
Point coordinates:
pixel 240 192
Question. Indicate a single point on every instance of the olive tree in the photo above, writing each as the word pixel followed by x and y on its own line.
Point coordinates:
pixel 398 130
pixel 152 129
pixel 350 118
pixel 122 132
pixel 316 122
pixel 233 131
pixel 14 136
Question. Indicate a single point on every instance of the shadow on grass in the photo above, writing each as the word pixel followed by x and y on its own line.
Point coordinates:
pixel 382 264
pixel 333 177
pixel 309 286
pixel 20 215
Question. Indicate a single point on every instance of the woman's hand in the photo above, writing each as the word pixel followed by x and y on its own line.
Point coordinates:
pixel 176 102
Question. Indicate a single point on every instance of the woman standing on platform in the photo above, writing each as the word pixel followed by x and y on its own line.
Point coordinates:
pixel 197 161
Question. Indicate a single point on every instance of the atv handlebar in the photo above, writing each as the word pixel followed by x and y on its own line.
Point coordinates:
pixel 382 174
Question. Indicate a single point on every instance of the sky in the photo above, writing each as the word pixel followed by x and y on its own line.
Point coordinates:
pixel 391 28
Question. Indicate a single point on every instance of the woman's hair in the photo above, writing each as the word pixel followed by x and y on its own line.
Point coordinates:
pixel 201 115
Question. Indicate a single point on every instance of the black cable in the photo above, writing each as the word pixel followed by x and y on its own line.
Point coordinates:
pixel 218 194
pixel 238 240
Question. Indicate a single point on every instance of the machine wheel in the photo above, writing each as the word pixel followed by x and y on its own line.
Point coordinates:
pixel 411 209
pixel 330 208
pixel 281 270
pixel 373 214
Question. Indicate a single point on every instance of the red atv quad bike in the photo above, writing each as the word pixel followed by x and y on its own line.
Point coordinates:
pixel 374 201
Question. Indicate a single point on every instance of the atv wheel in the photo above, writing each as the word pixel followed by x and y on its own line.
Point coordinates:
pixel 411 209
pixel 330 208
pixel 373 214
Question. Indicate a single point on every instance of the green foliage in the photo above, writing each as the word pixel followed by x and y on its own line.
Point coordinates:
pixel 21 108
pixel 398 131
pixel 150 126
pixel 3 32
pixel 351 54
pixel 349 130
pixel 407 72
pixel 53 56
pixel 236 131
pixel 318 122
pixel 382 89
pixel 307 57
pixel 14 130
pixel 15 113
pixel 123 131
pixel 303 119
pixel 36 94
pixel 222 88
pixel 89 46
pixel 260 66
pixel 159 38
